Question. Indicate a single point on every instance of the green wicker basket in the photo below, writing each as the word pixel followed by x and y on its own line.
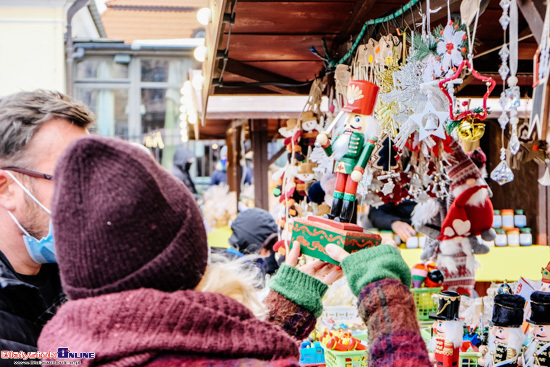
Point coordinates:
pixel 356 358
pixel 424 302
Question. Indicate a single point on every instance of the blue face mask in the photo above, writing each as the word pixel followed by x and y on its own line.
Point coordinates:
pixel 40 251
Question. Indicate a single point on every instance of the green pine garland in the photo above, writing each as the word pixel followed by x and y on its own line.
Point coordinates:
pixel 453 124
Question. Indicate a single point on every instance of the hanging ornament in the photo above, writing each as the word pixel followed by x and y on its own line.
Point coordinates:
pixel 510 98
pixel 541 87
pixel 470 129
pixel 468 11
pixel 489 82
pixel 430 121
pixel 545 179
pixel 386 156
pixel 451 46
pixel 502 174
pixel 503 119
pixel 388 187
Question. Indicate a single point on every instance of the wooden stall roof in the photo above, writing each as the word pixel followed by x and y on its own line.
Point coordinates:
pixel 267 48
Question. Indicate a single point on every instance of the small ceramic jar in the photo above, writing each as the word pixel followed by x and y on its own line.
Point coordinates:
pixel 525 237
pixel 520 220
pixel 497 219
pixel 501 239
pixel 412 242
pixel 513 237
pixel 507 219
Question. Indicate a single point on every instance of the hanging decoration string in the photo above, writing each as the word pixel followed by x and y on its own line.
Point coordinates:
pixel 471 40
pixel 332 63
pixel 513 38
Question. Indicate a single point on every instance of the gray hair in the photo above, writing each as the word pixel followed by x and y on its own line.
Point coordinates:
pixel 22 114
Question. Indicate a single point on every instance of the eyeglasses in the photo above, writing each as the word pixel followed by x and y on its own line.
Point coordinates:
pixel 29 172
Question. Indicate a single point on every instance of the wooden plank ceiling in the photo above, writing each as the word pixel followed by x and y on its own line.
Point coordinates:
pixel 269 44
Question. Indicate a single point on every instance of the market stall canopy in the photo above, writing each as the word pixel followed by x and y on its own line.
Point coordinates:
pixel 263 47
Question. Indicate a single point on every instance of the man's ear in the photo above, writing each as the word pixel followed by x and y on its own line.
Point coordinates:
pixel 7 193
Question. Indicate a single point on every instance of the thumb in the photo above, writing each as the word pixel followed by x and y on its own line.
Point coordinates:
pixel 336 252
pixel 293 254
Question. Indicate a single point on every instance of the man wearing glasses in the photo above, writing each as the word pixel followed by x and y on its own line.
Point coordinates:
pixel 35 128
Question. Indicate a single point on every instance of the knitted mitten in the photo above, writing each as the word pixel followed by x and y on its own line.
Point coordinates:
pixel 300 288
pixel 375 263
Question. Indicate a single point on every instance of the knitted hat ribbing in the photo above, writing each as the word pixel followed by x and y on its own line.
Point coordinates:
pixel 123 222
pixel 462 167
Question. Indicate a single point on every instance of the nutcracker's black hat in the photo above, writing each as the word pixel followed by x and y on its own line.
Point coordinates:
pixel 508 310
pixel 449 303
pixel 540 308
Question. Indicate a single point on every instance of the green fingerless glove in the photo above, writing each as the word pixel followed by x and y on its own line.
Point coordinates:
pixel 375 263
pixel 300 288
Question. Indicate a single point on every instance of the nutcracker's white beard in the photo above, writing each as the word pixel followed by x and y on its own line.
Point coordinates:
pixel 515 341
pixel 529 354
pixel 454 333
pixel 340 147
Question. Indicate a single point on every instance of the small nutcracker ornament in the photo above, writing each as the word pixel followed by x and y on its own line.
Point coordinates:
pixel 292 134
pixel 538 351
pixel 448 330
pixel 310 131
pixel 506 336
pixel 353 147
pixel 545 279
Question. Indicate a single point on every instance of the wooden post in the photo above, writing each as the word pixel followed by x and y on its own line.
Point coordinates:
pixel 234 172
pixel 258 135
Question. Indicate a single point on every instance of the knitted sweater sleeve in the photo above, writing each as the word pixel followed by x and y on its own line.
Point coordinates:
pixel 380 278
pixel 294 302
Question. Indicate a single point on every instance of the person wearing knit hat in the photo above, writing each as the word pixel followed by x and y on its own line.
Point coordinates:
pixel 250 229
pixel 131 249
pixel 133 259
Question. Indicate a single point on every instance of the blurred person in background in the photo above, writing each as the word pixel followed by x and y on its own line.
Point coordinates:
pixel 35 128
pixel 395 218
pixel 183 159
pixel 270 261
pixel 219 176
pixel 250 229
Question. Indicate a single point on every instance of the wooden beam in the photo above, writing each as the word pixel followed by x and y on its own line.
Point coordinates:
pixel 285 90
pixel 533 17
pixel 301 1
pixel 241 91
pixel 259 75
pixel 258 135
pixel 470 78
pixel 276 156
pixel 213 38
pixel 355 21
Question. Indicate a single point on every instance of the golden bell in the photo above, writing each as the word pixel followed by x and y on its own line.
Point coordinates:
pixel 468 130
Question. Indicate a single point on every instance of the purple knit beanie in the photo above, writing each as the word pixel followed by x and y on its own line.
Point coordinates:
pixel 122 222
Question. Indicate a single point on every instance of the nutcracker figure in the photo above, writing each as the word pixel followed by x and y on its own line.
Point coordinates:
pixel 448 330
pixel 506 336
pixel 538 351
pixel 545 279
pixel 353 147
